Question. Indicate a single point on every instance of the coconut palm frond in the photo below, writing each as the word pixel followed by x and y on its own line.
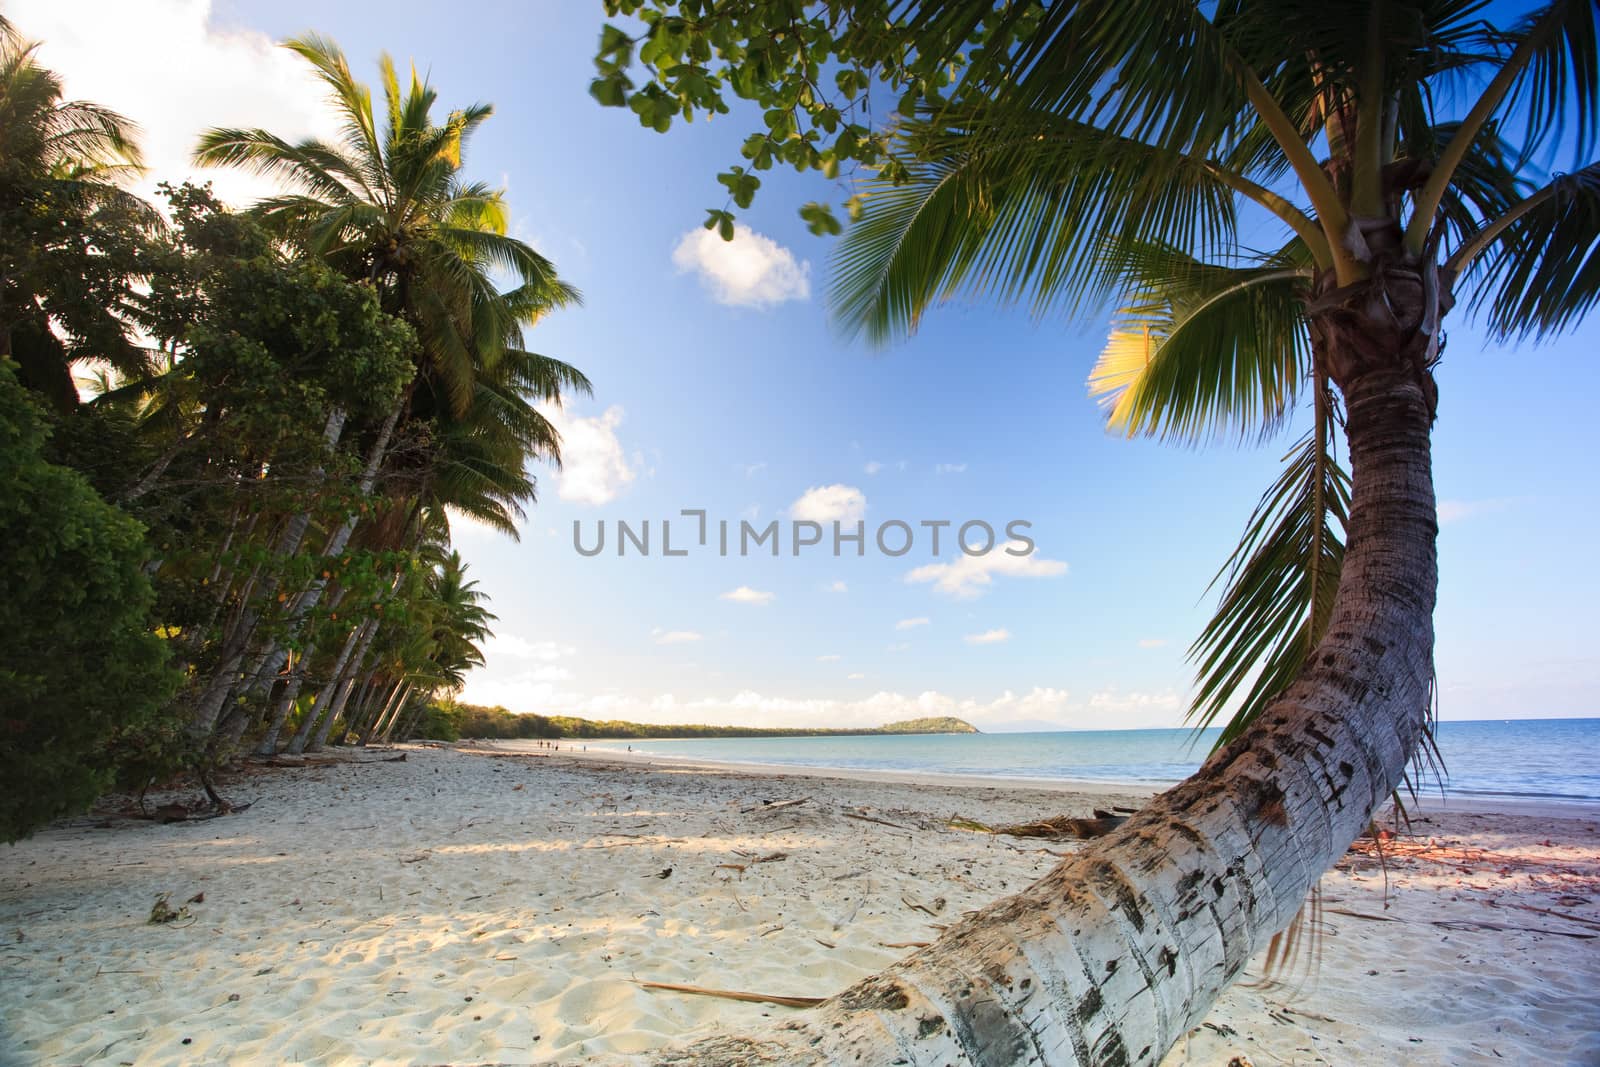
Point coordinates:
pixel 1200 349
pixel 1538 272
pixel 1278 586
pixel 1021 216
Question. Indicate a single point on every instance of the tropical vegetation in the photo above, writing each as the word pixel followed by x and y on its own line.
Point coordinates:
pixel 1285 202
pixel 236 439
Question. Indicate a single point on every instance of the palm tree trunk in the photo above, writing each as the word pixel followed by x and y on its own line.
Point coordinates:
pixel 372 711
pixel 268 745
pixel 270 660
pixel 418 709
pixel 383 716
pixel 402 711
pixel 331 701
pixel 1115 954
pixel 361 698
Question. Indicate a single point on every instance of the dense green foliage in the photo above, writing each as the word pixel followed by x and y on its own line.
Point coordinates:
pixel 452 721
pixel 80 669
pixel 237 535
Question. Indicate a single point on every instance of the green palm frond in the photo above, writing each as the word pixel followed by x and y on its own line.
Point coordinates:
pixel 1019 215
pixel 1558 92
pixel 1279 586
pixel 1539 273
pixel 320 170
pixel 1201 349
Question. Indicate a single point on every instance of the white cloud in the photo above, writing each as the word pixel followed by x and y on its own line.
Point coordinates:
pixel 831 658
pixel 873 467
pixel 1456 510
pixel 912 624
pixel 829 503
pixel 163 64
pixel 594 465
pixel 836 587
pixel 674 637
pixel 745 595
pixel 855 676
pixel 1152 642
pixel 969 576
pixel 950 468
pixel 988 637
pixel 752 270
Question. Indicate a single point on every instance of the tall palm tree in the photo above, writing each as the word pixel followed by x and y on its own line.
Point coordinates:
pixel 389 204
pixel 1092 150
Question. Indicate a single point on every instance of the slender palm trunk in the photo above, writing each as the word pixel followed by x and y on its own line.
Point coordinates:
pixel 361 699
pixel 402 691
pixel 331 701
pixel 377 702
pixel 1115 954
pixel 407 713
pixel 409 728
pixel 270 659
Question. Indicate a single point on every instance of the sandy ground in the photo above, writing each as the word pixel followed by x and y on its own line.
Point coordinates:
pixel 470 906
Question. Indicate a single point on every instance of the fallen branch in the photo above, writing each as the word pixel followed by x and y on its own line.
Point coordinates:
pixel 728 994
pixel 764 808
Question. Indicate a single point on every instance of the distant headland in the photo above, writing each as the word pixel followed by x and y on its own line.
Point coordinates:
pixel 476 721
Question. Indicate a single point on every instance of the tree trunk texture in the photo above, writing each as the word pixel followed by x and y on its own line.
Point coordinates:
pixel 1119 951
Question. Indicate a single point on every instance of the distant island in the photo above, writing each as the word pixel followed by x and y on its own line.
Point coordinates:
pixel 478 722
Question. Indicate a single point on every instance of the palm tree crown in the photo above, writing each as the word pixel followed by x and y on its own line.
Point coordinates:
pixel 389 204
pixel 1134 152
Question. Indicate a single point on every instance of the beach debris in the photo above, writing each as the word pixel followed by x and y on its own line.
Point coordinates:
pixel 1057 828
pixel 769 805
pixel 905 944
pixel 880 822
pixel 824 944
pixel 162 912
pixel 418 858
pixel 729 994
pixel 731 867
pixel 666 872
pixel 934 908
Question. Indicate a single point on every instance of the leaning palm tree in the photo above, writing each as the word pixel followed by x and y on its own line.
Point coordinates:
pixel 1136 150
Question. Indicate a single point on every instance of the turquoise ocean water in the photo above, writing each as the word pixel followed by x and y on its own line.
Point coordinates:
pixel 1544 759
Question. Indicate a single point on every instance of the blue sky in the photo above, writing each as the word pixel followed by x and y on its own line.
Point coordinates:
pixel 720 384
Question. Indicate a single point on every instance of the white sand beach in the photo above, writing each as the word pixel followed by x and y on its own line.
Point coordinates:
pixel 495 904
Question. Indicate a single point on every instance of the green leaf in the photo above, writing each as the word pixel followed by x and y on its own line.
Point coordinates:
pixel 819 219
pixel 611 90
pixel 1280 585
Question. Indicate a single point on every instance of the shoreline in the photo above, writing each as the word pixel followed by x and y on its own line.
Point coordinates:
pixel 1428 800
pixel 475 903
